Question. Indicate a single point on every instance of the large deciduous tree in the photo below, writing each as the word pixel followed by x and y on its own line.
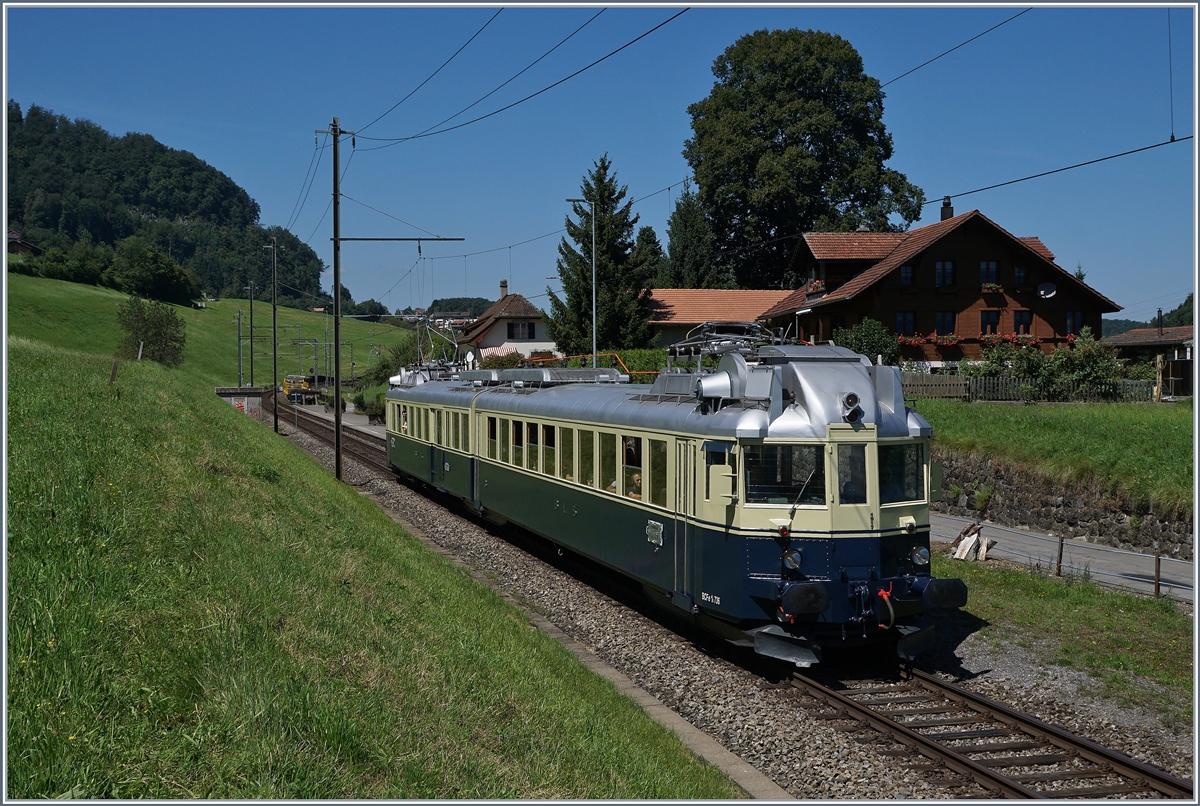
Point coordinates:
pixel 790 140
pixel 622 273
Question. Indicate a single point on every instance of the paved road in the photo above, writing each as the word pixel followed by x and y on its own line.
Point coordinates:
pixel 1107 566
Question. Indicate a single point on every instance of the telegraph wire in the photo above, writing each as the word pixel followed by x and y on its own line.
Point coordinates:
pixel 518 75
pixel 330 204
pixel 309 175
pixel 389 215
pixel 1068 168
pixel 956 47
pixel 431 75
pixel 391 141
pixel 1170 73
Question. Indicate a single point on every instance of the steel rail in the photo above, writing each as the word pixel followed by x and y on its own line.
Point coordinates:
pixel 984 776
pixel 1158 780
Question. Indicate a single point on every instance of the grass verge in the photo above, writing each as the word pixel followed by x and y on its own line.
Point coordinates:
pixel 1121 640
pixel 197 610
pixel 1137 450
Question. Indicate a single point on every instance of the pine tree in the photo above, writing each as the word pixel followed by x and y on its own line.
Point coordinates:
pixel 621 275
pixel 692 248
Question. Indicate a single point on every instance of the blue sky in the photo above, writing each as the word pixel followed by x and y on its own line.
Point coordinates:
pixel 245 88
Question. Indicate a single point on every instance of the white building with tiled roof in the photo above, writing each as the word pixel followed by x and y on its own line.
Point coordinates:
pixel 511 325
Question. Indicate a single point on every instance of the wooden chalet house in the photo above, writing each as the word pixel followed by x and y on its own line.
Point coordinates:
pixel 1174 344
pixel 946 289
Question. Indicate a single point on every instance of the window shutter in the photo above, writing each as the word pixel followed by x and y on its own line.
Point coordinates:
pixel 532 331
pixel 512 330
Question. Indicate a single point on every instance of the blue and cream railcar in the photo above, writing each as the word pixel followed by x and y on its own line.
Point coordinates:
pixel 781 501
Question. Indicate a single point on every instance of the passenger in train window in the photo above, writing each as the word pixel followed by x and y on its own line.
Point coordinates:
pixel 634 490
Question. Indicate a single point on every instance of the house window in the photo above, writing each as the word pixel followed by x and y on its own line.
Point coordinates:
pixel 943 271
pixel 989 322
pixel 1023 322
pixel 522 331
pixel 987 271
pixel 1019 275
pixel 906 275
pixel 945 322
pixel 1074 322
pixel 906 322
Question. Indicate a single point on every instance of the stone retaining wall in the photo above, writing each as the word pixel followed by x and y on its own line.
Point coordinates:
pixel 1019 498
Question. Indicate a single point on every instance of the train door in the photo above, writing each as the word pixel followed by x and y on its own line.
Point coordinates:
pixel 685 507
pixel 852 467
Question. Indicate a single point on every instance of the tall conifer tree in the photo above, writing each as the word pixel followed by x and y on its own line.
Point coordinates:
pixel 622 277
pixel 691 248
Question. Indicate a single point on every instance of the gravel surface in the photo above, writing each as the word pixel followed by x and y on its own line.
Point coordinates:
pixel 755 715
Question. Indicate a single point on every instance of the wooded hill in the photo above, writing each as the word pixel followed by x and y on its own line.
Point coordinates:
pixel 79 192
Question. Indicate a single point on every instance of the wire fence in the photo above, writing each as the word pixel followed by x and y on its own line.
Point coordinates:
pixel 1074 563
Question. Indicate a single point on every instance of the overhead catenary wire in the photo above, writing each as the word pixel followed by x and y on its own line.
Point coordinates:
pixel 956 47
pixel 431 75
pixel 306 185
pixel 388 142
pixel 517 75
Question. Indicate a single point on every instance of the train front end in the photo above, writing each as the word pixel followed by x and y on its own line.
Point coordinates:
pixel 830 484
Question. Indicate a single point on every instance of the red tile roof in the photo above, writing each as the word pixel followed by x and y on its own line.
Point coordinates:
pixel 853 245
pixel 1149 337
pixel 907 245
pixel 1035 243
pixel 691 306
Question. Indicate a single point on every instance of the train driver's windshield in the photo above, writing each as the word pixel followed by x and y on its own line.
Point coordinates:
pixel 901 473
pixel 785 474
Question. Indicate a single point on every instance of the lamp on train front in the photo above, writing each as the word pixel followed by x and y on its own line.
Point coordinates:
pixel 851 411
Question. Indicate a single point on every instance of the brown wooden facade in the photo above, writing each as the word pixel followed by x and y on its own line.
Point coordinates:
pixel 963 279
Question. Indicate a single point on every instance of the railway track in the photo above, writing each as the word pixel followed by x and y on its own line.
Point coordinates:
pixel 366 448
pixel 969 744
pixel 985 748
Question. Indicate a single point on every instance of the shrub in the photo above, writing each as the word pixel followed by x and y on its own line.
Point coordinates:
pixel 870 338
pixel 506 361
pixel 983 497
pixel 955 493
pixel 153 328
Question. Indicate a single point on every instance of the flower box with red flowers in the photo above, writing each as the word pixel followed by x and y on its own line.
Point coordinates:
pixel 911 341
pixel 991 339
pixel 946 341
pixel 992 288
pixel 1024 339
pixel 815 287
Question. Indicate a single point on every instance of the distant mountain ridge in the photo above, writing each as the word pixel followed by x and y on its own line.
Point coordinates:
pixel 70 180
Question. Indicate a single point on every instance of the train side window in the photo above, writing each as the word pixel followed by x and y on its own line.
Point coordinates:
pixel 425 425
pixel 712 458
pixel 658 472
pixel 466 432
pixel 852 474
pixel 518 444
pixel 587 458
pixel 608 462
pixel 567 457
pixel 437 428
pixel 491 437
pixel 631 466
pixel 548 466
pixel 531 443
pixel 404 418
pixel 505 439
pixel 452 429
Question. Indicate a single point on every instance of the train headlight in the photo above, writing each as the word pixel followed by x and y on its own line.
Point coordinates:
pixel 792 558
pixel 920 555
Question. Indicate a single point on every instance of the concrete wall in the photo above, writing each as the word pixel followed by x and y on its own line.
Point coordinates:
pixel 1021 499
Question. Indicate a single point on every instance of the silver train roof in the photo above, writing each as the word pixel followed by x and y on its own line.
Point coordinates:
pixel 791 392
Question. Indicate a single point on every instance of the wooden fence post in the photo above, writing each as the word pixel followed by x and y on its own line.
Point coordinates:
pixel 1058 564
pixel 1157 572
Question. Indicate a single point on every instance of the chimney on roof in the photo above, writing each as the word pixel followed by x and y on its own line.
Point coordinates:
pixel 1160 321
pixel 947 210
pixel 863 228
pixel 503 289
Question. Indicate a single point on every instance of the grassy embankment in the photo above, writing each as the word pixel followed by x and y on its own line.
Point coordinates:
pixel 1140 451
pixel 83 317
pixel 1139 650
pixel 1137 450
pixel 196 609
